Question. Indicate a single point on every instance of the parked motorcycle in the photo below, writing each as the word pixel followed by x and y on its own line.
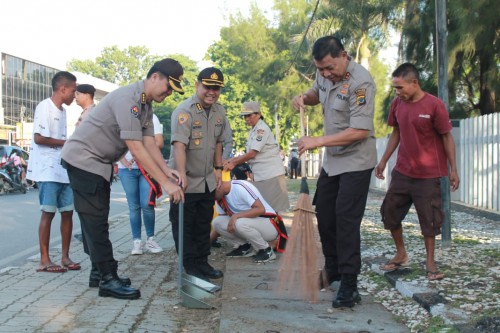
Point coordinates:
pixel 10 178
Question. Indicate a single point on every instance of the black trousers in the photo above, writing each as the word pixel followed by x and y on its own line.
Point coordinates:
pixel 198 214
pixel 92 197
pixel 340 204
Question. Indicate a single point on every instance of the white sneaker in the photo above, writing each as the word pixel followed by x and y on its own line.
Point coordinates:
pixel 137 248
pixel 153 246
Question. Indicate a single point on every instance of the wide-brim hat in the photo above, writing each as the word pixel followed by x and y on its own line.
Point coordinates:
pixel 250 108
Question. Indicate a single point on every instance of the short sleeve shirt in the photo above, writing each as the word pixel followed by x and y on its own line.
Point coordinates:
pixel 421 152
pixel 200 133
pixel 242 196
pixel 267 163
pixel 157 130
pixel 45 162
pixel 228 141
pixel 348 103
pixel 99 141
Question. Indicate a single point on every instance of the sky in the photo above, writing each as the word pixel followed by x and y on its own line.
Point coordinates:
pixel 53 32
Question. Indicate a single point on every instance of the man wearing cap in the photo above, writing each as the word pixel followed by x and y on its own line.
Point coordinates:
pixel 198 126
pixel 84 97
pixel 121 121
pixel 263 156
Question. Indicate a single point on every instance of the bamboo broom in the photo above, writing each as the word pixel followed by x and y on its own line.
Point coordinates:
pixel 298 272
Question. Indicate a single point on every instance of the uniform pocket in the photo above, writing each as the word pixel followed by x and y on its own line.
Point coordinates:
pixel 196 140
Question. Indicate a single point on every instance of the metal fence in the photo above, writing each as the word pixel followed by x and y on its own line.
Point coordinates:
pixel 478 155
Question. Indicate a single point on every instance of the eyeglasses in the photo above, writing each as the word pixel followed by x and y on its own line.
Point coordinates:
pixel 214 88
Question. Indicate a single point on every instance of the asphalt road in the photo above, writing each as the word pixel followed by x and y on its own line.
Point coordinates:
pixel 19 220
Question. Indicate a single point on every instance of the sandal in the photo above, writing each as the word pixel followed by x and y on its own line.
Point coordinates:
pixel 73 266
pixel 433 276
pixel 392 266
pixel 51 268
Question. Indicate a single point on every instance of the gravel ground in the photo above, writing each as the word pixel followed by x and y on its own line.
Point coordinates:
pixel 471 264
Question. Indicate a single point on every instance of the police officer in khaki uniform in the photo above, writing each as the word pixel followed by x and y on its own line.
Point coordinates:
pixel 346 92
pixel 121 122
pixel 198 126
pixel 263 156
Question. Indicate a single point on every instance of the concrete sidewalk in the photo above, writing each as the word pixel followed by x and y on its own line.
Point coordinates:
pixel 55 302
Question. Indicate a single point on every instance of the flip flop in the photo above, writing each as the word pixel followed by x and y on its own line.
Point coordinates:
pixel 392 266
pixel 74 266
pixel 52 268
pixel 433 276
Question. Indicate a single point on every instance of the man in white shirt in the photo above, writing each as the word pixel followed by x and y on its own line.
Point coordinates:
pixel 244 219
pixel 49 135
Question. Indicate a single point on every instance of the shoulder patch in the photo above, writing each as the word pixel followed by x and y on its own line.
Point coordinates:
pixel 134 110
pixel 260 132
pixel 182 118
pixel 360 96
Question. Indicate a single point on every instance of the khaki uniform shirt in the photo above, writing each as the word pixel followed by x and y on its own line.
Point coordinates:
pixel 348 103
pixel 99 141
pixel 200 134
pixel 267 163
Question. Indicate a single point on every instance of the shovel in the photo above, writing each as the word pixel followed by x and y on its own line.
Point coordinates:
pixel 192 290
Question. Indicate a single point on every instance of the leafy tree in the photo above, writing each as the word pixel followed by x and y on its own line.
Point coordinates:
pixel 132 64
pixel 117 66
pixel 473 42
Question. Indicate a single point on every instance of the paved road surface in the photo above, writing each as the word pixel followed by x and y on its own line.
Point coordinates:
pixel 19 220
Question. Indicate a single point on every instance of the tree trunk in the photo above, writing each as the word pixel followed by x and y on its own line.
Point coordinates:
pixel 487 80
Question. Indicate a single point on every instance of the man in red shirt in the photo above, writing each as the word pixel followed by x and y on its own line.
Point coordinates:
pixel 422 129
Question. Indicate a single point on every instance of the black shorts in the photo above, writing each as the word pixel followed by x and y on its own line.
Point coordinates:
pixel 425 194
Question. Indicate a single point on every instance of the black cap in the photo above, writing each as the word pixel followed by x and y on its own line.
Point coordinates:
pixel 211 76
pixel 86 89
pixel 172 69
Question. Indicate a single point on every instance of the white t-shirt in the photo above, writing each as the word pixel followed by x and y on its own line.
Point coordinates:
pixel 158 129
pixel 45 162
pixel 242 196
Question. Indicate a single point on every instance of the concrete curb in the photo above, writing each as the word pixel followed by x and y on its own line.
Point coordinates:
pixel 431 299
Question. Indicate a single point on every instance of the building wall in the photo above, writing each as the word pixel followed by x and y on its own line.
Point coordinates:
pixel 23 85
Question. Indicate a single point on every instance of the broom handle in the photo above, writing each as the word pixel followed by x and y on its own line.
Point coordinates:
pixel 302 133
pixel 180 260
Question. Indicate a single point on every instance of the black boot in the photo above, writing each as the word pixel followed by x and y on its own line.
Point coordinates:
pixel 95 278
pixel 204 267
pixel 111 286
pixel 348 294
pixel 190 266
pixel 326 280
pixel 330 273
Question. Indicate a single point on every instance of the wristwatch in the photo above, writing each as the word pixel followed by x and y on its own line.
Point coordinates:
pixel 218 167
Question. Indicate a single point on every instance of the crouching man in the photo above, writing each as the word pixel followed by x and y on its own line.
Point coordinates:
pixel 248 221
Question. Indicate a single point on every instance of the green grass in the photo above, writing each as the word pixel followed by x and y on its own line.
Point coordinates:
pixel 293 185
pixel 493 254
pixel 437 325
pixel 464 240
